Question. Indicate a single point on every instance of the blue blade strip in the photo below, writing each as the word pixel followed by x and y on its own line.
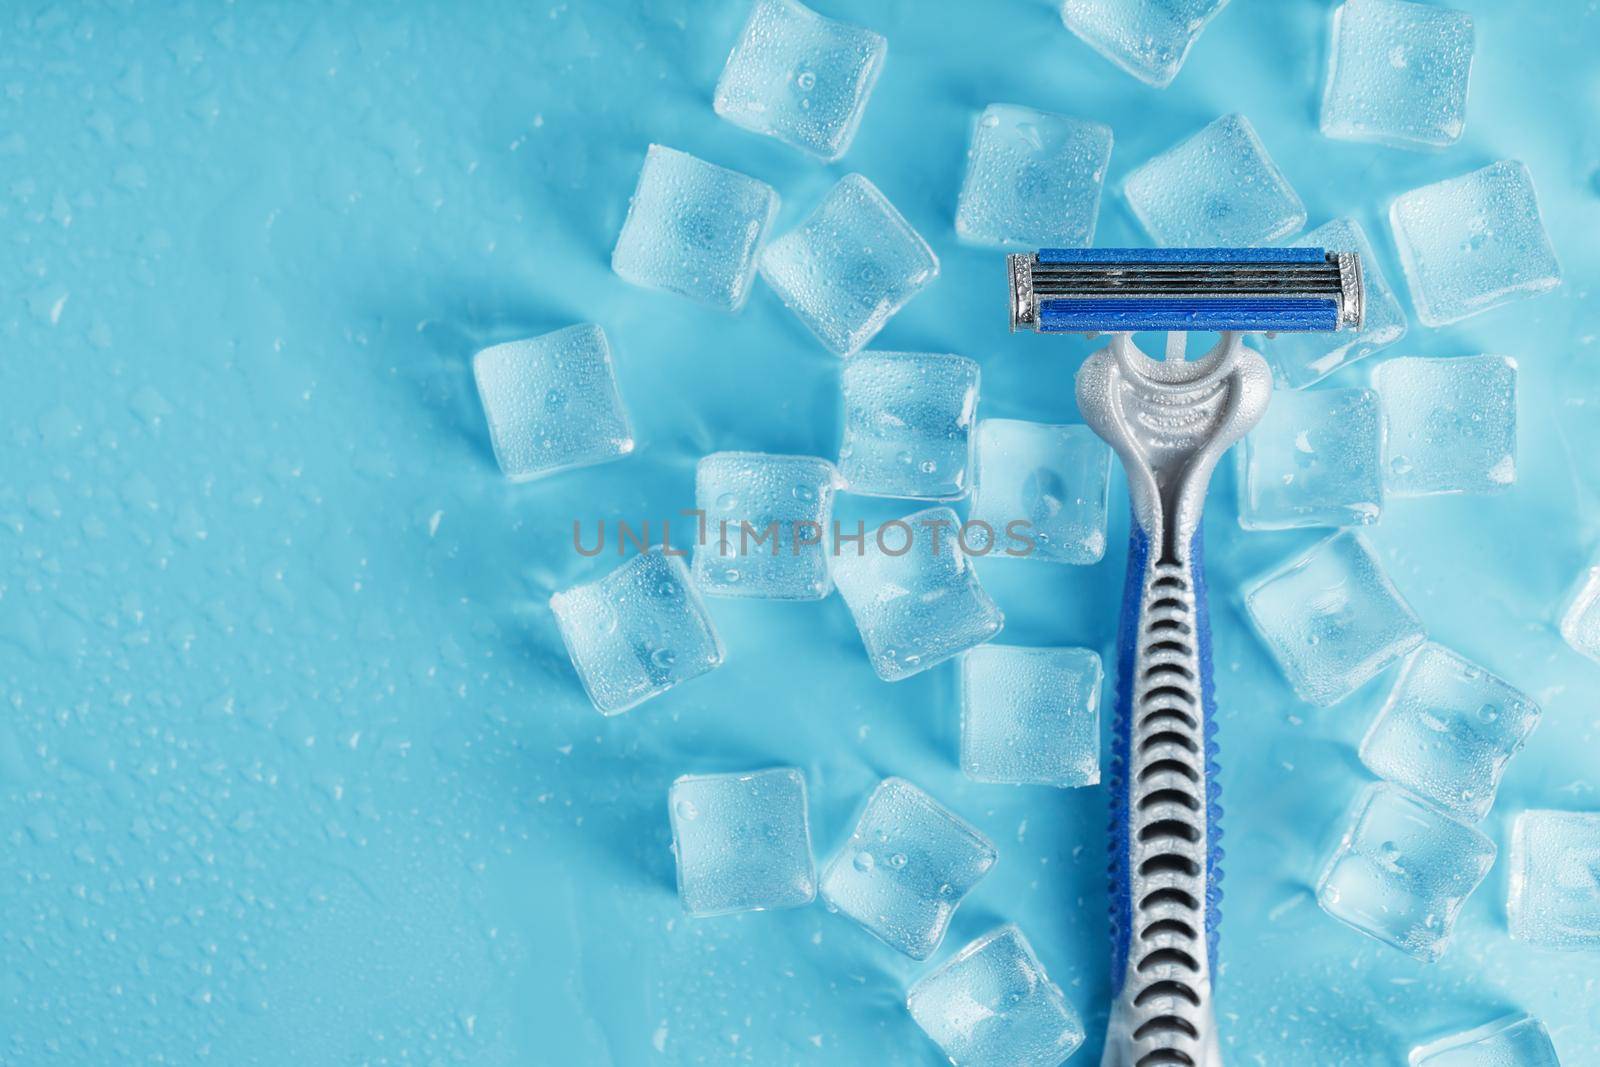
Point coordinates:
pixel 1132 256
pixel 1100 315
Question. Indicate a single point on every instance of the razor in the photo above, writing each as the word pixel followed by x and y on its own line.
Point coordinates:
pixel 1169 421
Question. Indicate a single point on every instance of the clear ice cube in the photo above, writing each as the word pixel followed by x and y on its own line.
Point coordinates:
pixel 913 593
pixel 694 228
pixel 766 525
pixel 1450 425
pixel 1147 38
pixel 993 1003
pixel 1472 243
pixel 1397 74
pixel 1301 359
pixel 1218 188
pixel 1332 619
pixel 1313 460
pixel 1580 615
pixel 1054 479
pixel 637 632
pixel 743 841
pixel 908 420
pixel 1447 731
pixel 1033 179
pixel 850 266
pixel 1031 716
pixel 1554 899
pixel 1402 870
pixel 552 403
pixel 1516 1040
pixel 800 77
pixel 907 866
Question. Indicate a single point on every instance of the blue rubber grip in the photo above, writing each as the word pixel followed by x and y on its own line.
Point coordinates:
pixel 1287 314
pixel 1128 634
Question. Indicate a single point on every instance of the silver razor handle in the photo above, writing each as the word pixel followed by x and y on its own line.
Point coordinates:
pixel 1169 422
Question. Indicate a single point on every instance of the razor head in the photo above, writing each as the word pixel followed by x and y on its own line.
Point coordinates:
pixel 1123 290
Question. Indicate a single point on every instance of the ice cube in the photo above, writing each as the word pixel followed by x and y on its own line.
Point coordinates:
pixel 694 228
pixel 1219 187
pixel 906 868
pixel 913 593
pixel 1580 616
pixel 850 266
pixel 1516 1040
pixel 552 403
pixel 1312 460
pixel 1033 179
pixel 767 520
pixel 1447 730
pixel 1472 243
pixel 1147 38
pixel 1402 870
pixel 908 424
pixel 1049 484
pixel 1303 358
pixel 743 841
pixel 800 77
pixel 637 632
pixel 1332 619
pixel 1397 74
pixel 1031 716
pixel 992 1003
pixel 1554 898
pixel 1450 425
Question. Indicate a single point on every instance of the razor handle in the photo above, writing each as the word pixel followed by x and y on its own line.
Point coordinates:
pixel 1165 859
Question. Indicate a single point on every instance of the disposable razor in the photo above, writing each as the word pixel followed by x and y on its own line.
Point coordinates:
pixel 1169 421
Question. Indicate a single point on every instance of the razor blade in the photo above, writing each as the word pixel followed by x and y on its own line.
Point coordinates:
pixel 1123 290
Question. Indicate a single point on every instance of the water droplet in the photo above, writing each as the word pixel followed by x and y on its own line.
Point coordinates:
pixel 898 860
pixel 807 81
pixel 687 811
pixel 727 502
pixel 864 861
pixel 663 658
pixel 555 399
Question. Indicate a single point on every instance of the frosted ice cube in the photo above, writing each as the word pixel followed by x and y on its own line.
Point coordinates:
pixel 1303 358
pixel 1219 187
pixel 552 403
pixel 1031 716
pixel 1472 243
pixel 992 1003
pixel 1033 179
pixel 1517 1040
pixel 1554 898
pixel 908 424
pixel 766 524
pixel 1447 730
pixel 1580 615
pixel 1055 479
pixel 800 77
pixel 743 841
pixel 1313 460
pixel 1402 870
pixel 1450 425
pixel 694 228
pixel 907 866
pixel 1397 74
pixel 850 266
pixel 637 632
pixel 913 593
pixel 1147 38
pixel 1332 619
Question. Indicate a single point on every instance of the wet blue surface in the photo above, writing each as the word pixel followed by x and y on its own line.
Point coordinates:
pixel 292 765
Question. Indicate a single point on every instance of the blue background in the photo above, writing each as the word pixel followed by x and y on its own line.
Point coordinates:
pixel 292 765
